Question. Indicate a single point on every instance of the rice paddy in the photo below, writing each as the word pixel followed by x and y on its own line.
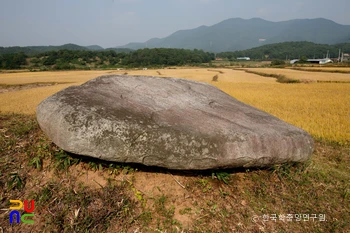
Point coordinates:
pixel 304 75
pixel 325 69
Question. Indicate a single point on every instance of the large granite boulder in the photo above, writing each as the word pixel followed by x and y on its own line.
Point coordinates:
pixel 167 122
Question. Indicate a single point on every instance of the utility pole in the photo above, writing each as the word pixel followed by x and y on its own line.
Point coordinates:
pixel 339 56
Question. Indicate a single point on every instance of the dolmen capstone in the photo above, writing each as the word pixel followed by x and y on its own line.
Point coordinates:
pixel 167 122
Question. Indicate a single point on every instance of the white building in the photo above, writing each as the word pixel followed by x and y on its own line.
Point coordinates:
pixel 243 58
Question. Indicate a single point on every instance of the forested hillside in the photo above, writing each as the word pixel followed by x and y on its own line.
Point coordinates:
pixel 289 50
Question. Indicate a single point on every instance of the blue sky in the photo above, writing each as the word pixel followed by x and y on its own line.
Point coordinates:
pixel 111 23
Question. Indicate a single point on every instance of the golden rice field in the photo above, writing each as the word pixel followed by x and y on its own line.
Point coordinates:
pixel 326 69
pixel 59 76
pixel 322 109
pixel 303 75
pixel 206 75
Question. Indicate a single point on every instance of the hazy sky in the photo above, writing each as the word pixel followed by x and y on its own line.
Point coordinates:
pixel 111 23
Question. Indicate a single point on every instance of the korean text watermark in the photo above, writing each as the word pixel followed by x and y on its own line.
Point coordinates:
pixel 289 218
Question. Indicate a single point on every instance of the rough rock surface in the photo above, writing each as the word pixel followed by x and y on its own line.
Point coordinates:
pixel 167 122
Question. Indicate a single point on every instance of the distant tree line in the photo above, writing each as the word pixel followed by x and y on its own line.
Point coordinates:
pixel 86 59
pixel 167 57
pixel 289 50
pixel 65 59
pixel 68 59
pixel 12 61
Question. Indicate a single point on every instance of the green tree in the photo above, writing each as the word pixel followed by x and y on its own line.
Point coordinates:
pixel 302 60
pixel 13 61
pixel 277 62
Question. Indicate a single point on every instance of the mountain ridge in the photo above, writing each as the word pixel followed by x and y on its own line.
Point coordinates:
pixel 33 50
pixel 239 34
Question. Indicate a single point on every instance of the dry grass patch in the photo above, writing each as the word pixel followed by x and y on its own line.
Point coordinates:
pixel 279 77
pixel 16 87
pixel 304 75
pixel 333 69
pixel 148 199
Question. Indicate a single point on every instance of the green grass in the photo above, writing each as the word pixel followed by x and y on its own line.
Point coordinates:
pixel 62 160
pixel 32 167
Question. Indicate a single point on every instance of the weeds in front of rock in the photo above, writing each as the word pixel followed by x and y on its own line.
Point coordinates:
pixel 165 212
pixel 62 204
pixel 75 208
pixel 15 181
pixel 32 167
pixel 62 160
pixel 221 176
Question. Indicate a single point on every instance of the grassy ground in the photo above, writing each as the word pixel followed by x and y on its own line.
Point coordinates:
pixel 75 194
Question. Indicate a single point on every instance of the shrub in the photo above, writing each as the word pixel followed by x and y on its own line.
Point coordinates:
pixel 277 62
